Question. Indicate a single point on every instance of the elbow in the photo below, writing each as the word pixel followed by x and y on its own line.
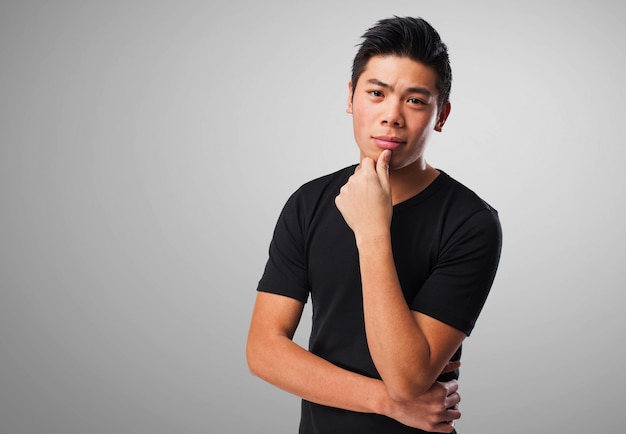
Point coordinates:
pixel 253 360
pixel 404 396
pixel 252 366
pixel 259 357
pixel 263 354
pixel 405 391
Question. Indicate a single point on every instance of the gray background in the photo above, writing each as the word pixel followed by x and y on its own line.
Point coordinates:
pixel 147 147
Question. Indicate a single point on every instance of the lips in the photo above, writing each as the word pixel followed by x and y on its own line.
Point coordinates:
pixel 388 142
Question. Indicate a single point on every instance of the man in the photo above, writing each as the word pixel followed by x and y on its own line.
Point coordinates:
pixel 397 257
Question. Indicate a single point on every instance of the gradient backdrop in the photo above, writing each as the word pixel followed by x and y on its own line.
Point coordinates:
pixel 147 147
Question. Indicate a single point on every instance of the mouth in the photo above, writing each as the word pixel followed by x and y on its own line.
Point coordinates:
pixel 388 142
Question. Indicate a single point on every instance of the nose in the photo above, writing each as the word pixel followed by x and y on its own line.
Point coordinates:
pixel 393 115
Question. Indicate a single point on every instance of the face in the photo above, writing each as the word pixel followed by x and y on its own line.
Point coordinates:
pixel 394 106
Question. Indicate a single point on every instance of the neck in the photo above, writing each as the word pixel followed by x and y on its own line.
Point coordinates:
pixel 408 181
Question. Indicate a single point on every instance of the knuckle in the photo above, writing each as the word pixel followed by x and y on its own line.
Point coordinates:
pixel 439 386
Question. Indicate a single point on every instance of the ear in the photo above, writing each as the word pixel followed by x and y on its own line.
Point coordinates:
pixel 443 115
pixel 350 97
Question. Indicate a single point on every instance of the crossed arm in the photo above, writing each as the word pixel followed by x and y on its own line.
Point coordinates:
pixel 274 357
pixel 410 350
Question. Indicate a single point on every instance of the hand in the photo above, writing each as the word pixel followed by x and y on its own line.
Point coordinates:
pixel 365 200
pixel 434 411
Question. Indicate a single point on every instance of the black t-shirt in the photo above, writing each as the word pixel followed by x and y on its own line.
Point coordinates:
pixel 446 244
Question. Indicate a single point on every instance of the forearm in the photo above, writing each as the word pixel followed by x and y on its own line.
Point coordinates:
pixel 290 367
pixel 398 347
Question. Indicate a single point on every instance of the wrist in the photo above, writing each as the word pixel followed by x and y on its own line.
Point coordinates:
pixel 380 402
pixel 374 239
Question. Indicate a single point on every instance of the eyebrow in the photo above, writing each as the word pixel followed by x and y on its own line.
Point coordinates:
pixel 415 89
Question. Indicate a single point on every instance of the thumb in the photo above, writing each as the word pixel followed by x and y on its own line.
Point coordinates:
pixel 382 168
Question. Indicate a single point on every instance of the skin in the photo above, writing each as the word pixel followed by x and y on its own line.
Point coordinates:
pixel 396 99
pixel 274 357
pixel 410 350
pixel 394 106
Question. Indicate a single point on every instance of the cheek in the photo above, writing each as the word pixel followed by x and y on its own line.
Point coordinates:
pixel 361 119
pixel 424 129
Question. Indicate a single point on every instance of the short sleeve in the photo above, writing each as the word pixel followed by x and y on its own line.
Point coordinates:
pixel 286 270
pixel 456 290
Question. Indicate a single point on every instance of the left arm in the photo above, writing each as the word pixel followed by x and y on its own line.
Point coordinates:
pixel 408 348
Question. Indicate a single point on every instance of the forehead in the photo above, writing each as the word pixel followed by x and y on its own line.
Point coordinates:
pixel 400 72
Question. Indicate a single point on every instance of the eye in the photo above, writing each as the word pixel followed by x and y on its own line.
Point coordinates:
pixel 415 101
pixel 376 93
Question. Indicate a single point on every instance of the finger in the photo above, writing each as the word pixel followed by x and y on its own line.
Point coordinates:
pixel 451 387
pixel 452 401
pixel 453 414
pixel 367 164
pixel 382 167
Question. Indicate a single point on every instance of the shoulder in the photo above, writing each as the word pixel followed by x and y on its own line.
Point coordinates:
pixel 469 214
pixel 326 186
pixel 329 181
pixel 462 197
pixel 453 207
pixel 445 200
pixel 459 205
pixel 314 195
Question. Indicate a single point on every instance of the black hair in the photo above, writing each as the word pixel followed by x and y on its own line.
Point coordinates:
pixel 406 37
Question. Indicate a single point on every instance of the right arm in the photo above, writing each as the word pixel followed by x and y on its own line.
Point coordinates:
pixel 274 357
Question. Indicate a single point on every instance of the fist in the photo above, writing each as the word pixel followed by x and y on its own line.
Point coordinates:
pixel 365 200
